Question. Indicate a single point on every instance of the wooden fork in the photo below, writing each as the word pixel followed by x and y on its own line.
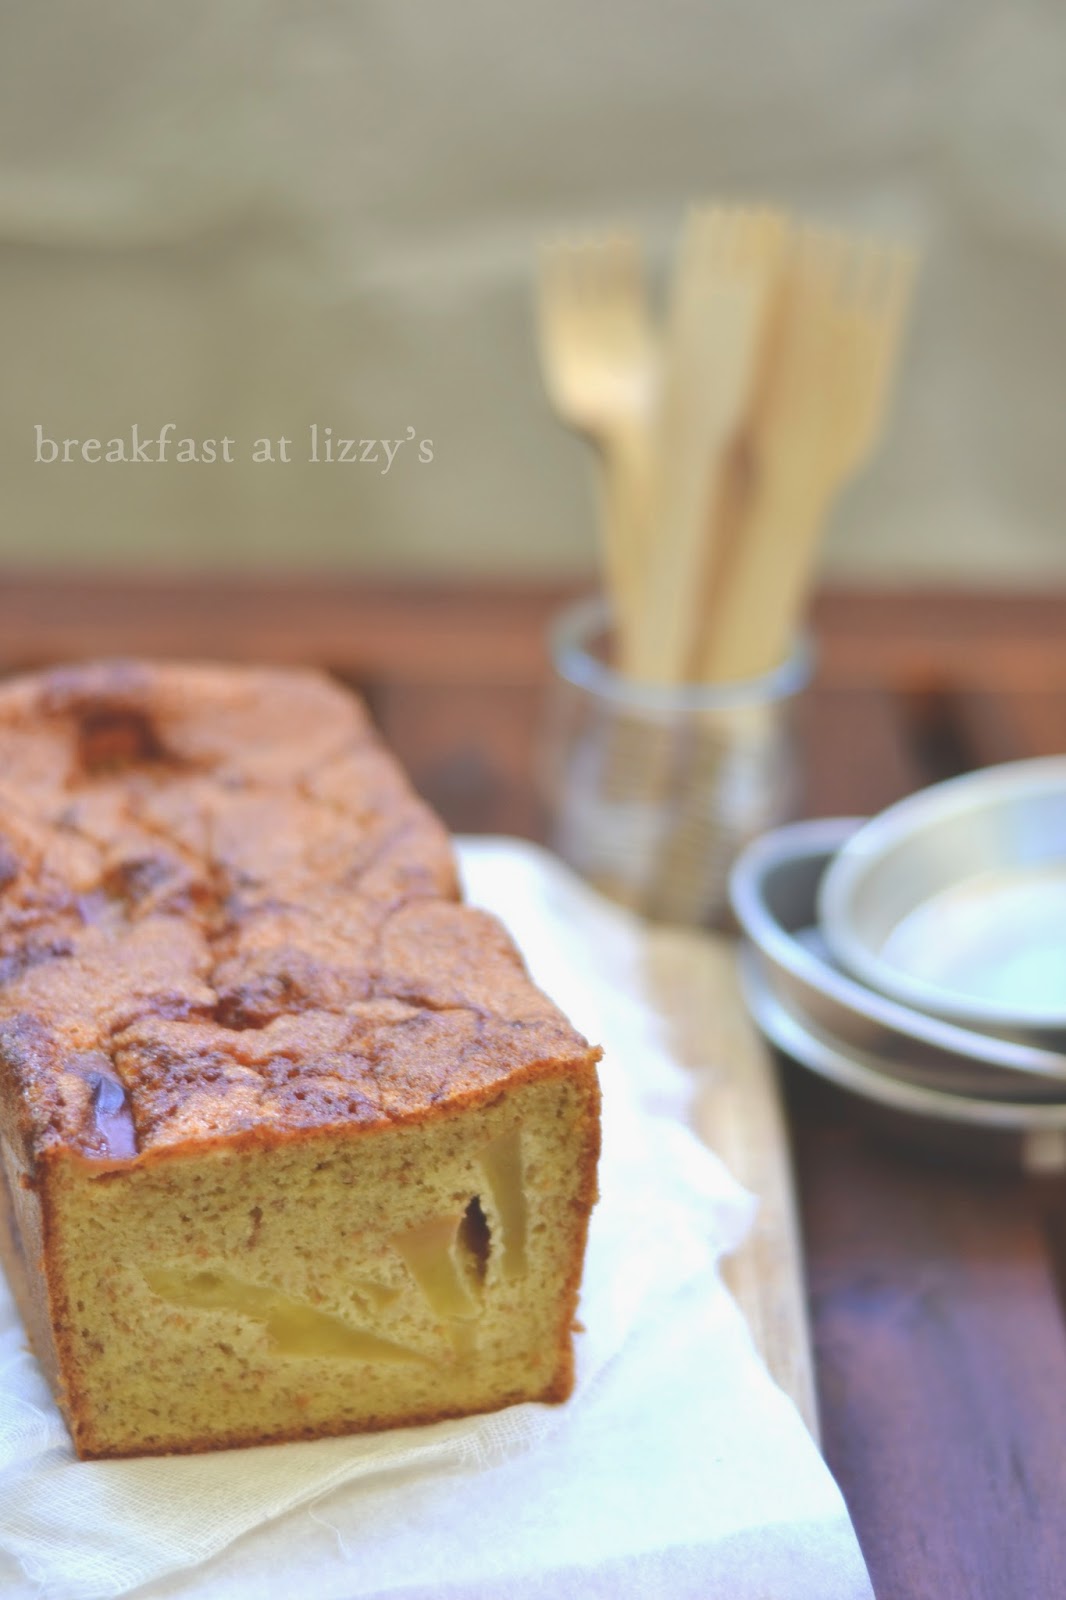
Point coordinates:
pixel 727 275
pixel 599 357
pixel 815 420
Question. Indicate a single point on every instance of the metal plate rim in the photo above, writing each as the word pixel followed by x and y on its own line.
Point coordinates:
pixel 893 827
pixel 847 1070
pixel 821 839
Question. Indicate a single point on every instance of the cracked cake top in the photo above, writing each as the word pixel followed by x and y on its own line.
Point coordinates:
pixel 225 915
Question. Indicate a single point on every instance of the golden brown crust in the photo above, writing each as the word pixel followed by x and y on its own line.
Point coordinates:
pixel 555 1393
pixel 24 1238
pixel 224 915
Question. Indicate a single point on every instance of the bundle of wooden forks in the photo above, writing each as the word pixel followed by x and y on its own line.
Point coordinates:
pixel 723 438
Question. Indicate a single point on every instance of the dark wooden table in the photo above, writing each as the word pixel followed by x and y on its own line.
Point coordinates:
pixel 936 1291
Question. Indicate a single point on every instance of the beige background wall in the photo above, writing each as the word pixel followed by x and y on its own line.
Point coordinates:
pixel 244 218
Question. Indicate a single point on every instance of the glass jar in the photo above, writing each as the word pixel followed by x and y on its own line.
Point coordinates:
pixel 653 791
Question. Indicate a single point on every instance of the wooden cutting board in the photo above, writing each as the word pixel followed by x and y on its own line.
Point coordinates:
pixel 693 980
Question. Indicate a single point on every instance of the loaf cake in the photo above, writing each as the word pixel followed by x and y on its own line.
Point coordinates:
pixel 291 1144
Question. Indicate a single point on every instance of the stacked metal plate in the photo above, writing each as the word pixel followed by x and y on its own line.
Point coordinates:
pixel 918 960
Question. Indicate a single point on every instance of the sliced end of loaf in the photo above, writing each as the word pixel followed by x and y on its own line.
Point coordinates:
pixel 337 1282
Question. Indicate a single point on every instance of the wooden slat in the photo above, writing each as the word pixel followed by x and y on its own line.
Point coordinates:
pixel 445 631
pixel 469 749
pixel 854 750
pixel 693 978
pixel 1011 727
pixel 942 1367
pixel 406 632
pixel 911 638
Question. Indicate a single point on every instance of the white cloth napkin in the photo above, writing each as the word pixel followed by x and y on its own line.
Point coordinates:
pixel 677 1469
